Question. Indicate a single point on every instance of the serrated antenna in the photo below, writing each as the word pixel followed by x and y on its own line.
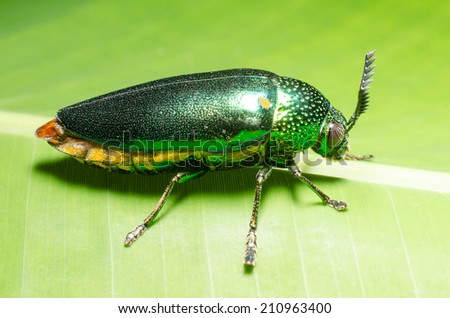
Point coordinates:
pixel 363 93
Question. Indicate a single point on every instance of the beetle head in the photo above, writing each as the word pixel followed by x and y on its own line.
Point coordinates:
pixel 332 141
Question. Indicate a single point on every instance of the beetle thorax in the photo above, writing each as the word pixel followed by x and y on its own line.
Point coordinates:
pixel 300 111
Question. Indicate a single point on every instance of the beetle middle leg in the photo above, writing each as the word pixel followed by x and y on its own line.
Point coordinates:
pixel 250 249
pixel 338 205
pixel 140 229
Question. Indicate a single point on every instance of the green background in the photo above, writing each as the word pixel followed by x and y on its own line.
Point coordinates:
pixel 62 224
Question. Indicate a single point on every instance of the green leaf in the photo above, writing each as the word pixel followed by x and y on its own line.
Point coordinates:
pixel 62 224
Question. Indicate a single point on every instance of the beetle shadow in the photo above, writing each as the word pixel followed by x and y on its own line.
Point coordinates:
pixel 226 182
pixel 68 170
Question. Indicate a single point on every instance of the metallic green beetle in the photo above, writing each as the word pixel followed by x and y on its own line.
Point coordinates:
pixel 196 123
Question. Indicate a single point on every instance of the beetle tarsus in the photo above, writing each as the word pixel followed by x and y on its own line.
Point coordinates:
pixel 349 156
pixel 134 235
pixel 338 205
pixel 250 251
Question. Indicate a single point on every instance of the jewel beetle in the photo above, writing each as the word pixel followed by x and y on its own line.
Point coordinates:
pixel 191 124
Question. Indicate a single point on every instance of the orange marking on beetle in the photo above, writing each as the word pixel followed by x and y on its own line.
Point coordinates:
pixel 264 102
pixel 48 132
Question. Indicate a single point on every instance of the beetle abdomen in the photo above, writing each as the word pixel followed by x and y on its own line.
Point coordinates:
pixel 207 155
pixel 204 106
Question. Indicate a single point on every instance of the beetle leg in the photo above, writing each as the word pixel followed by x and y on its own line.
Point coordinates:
pixel 338 205
pixel 140 229
pixel 250 249
pixel 349 156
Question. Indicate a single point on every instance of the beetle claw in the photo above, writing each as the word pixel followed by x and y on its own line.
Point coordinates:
pixel 134 235
pixel 338 205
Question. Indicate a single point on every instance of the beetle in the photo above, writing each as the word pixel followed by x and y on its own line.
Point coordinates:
pixel 192 124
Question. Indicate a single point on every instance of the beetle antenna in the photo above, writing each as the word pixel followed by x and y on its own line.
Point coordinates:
pixel 363 94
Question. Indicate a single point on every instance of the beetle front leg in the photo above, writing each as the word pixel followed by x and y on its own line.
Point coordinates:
pixel 338 205
pixel 349 156
pixel 250 249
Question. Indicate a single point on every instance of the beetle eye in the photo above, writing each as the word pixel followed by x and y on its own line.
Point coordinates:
pixel 336 133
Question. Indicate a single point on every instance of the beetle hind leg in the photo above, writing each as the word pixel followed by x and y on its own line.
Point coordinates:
pixel 140 229
pixel 338 205
pixel 250 249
